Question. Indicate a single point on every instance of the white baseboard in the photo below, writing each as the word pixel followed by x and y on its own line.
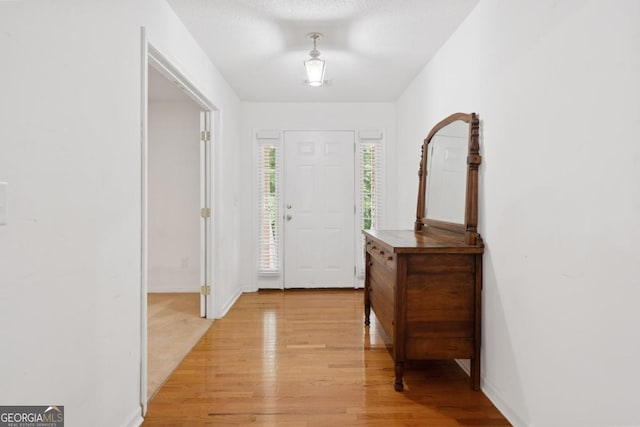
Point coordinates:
pixel 227 306
pixel 465 364
pixel 135 419
pixel 269 285
pixel 490 391
pixel 172 289
pixel 493 396
pixel 268 282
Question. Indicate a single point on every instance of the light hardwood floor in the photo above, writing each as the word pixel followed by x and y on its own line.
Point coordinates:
pixel 304 358
pixel 174 326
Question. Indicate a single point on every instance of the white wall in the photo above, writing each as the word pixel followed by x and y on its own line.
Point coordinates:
pixel 305 116
pixel 174 196
pixel 70 150
pixel 556 85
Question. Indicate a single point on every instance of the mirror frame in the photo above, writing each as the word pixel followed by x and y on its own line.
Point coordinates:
pixel 470 227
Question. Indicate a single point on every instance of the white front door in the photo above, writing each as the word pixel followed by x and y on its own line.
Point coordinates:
pixel 319 209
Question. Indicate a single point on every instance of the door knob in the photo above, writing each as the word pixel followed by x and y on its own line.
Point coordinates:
pixel 288 206
pixel 289 217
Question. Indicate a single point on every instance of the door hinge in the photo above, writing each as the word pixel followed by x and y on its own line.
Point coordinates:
pixel 205 135
pixel 205 290
pixel 205 212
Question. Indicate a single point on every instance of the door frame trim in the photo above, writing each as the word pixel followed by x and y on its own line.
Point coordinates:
pixel 152 56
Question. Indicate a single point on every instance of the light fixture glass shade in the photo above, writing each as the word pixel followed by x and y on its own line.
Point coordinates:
pixel 315 71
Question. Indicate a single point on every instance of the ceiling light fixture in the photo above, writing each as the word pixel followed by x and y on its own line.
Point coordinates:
pixel 314 66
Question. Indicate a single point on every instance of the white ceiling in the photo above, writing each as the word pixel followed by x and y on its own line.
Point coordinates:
pixel 373 48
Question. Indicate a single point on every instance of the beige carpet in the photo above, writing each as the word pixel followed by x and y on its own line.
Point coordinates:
pixel 174 327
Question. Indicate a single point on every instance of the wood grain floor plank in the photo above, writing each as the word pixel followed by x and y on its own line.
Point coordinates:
pixel 174 326
pixel 304 358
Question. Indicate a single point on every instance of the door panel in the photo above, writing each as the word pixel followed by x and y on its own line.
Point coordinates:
pixel 319 209
pixel 205 203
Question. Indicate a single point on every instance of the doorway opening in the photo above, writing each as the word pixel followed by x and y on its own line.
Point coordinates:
pixel 177 230
pixel 176 249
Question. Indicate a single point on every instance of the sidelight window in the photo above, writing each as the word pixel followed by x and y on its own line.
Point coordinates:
pixel 268 172
pixel 370 189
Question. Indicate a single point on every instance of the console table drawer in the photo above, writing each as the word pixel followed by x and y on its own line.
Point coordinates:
pixel 383 255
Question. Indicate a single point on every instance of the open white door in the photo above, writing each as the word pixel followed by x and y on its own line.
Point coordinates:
pixel 319 209
pixel 205 208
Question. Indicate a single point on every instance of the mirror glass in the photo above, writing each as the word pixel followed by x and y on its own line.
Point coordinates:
pixel 446 184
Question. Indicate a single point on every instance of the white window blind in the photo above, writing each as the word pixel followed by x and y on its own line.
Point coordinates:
pixel 371 188
pixel 268 158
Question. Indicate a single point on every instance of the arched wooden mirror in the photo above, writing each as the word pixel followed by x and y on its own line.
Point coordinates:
pixel 448 189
